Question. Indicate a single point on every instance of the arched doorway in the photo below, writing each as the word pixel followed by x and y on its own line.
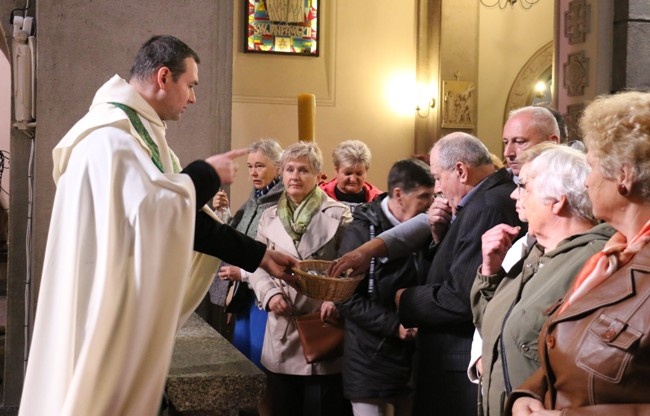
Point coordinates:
pixel 537 68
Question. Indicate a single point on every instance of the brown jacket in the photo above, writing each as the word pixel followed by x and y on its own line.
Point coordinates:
pixel 595 356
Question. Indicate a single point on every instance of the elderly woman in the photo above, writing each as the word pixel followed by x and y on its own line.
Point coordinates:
pixel 351 160
pixel 264 170
pixel 509 307
pixel 306 224
pixel 595 346
pixel 378 349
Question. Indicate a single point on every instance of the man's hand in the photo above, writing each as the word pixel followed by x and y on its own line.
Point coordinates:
pixel 406 334
pixel 225 166
pixel 357 261
pixel 495 243
pixel 279 265
pixel 232 273
pixel 439 217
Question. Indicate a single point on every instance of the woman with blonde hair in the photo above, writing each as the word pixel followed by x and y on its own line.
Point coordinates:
pixel 305 224
pixel 595 346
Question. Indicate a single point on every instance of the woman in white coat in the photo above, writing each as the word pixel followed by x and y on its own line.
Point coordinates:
pixel 306 224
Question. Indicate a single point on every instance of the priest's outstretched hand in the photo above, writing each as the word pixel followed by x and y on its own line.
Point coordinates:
pixel 279 265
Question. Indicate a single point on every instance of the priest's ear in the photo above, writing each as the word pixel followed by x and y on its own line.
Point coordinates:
pixel 162 77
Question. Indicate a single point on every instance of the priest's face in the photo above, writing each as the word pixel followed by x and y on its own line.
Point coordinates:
pixel 179 93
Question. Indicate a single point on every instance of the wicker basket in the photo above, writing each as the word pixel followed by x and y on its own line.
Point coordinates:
pixel 320 286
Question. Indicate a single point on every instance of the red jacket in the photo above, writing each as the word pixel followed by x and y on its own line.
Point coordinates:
pixel 371 191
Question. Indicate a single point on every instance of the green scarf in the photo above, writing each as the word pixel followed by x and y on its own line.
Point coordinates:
pixel 296 219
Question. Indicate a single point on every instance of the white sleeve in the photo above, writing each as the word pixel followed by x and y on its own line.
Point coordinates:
pixel 475 355
pixel 244 276
pixel 516 252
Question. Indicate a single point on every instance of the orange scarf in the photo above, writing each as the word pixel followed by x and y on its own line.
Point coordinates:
pixel 616 253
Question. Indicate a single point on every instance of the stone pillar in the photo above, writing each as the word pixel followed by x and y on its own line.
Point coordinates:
pixel 631 45
pixel 447 50
pixel 81 44
pixel 427 70
pixel 583 56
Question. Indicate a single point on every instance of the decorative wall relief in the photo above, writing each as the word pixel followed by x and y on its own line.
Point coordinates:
pixel 576 74
pixel 571 118
pixel 458 105
pixel 577 21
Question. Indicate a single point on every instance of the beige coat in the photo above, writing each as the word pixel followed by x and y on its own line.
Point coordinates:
pixel 282 352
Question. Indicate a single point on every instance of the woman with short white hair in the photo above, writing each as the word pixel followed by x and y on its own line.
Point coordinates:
pixel 263 164
pixel 509 307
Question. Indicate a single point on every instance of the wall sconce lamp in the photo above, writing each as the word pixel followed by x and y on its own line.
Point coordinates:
pixel 540 89
pixel 420 109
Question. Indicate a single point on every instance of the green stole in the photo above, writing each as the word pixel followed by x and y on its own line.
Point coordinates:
pixel 142 131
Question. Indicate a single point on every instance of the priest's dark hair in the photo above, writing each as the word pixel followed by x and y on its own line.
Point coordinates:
pixel 159 51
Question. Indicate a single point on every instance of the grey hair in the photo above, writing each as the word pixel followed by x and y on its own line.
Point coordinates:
pixel 269 148
pixel 461 147
pixel 560 170
pixel 542 120
pixel 307 150
pixel 351 152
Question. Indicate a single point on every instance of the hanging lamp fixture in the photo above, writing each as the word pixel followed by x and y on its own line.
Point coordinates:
pixel 502 4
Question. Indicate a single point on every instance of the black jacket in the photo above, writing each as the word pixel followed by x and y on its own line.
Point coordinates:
pixel 441 308
pixel 216 239
pixel 376 363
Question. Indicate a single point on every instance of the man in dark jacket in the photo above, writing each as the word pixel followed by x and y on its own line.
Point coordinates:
pixel 378 349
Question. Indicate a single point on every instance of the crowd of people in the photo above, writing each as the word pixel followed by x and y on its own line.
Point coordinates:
pixel 517 290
